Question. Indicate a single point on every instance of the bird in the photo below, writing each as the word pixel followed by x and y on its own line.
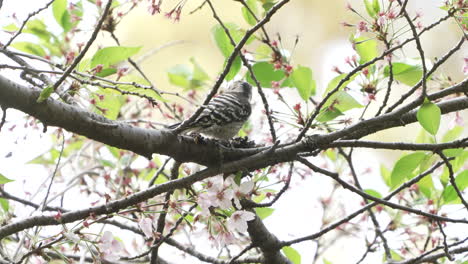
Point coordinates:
pixel 224 115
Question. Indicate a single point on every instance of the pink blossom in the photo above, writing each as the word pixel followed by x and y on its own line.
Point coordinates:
pixel 146 225
pixel 110 247
pixel 241 191
pixel 204 201
pixel 238 220
pixel 275 84
pixel 361 27
pixel 465 67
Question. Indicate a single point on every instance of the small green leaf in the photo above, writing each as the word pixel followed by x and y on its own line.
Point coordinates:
pixel 198 73
pixel 180 75
pixel 222 40
pixel 4 179
pixel 404 168
pixel 304 82
pixel 268 5
pixel 264 212
pixel 370 8
pixel 108 103
pixel 429 115
pixel 30 48
pixel 292 255
pixel 366 49
pixel 249 18
pixel 328 115
pixel 38 28
pixel 452 134
pixel 235 68
pixel 10 28
pixel 335 81
pixel 386 175
pixel 338 103
pixel 263 52
pixel 265 74
pixel 426 186
pixel 112 55
pixel 376 6
pixel 408 73
pixel 59 9
pixel 449 194
pixel 373 193
pixel 45 93
pixel 5 204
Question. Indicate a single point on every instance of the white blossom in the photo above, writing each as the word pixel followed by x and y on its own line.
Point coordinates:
pixel 238 220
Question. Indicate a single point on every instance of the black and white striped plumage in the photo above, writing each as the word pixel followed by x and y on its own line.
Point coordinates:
pixel 225 114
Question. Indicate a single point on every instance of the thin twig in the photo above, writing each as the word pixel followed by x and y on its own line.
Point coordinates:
pixel 44 203
pixel 452 178
pixel 446 249
pixel 24 23
pixel 86 47
pixel 356 70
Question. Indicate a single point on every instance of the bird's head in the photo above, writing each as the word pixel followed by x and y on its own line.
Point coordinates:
pixel 240 87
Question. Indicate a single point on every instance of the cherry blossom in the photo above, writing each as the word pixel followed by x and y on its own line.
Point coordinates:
pixel 110 247
pixel 146 225
pixel 240 191
pixel 238 220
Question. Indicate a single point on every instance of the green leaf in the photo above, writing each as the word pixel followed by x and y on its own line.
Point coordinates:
pixel 302 79
pixel 45 93
pixel 386 175
pixel 263 52
pixel 424 137
pixel 112 55
pixel 426 186
pixel 4 204
pixel 249 18
pixel 335 81
pixel 292 255
pixel 61 15
pixel 404 168
pixel 408 73
pixel 37 28
pixel 452 134
pixel 198 73
pixel 106 72
pixel 264 212
pixel 373 193
pixel 265 74
pixel 235 68
pixel 4 179
pixel 222 40
pixel 366 49
pixel 180 75
pixel 338 103
pixel 109 103
pixel 429 117
pixel 268 5
pixel 10 28
pixel 372 8
pixel 328 115
pixel 449 194
pixel 30 48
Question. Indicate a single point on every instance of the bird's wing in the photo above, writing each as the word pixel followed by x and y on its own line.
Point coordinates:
pixel 223 109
